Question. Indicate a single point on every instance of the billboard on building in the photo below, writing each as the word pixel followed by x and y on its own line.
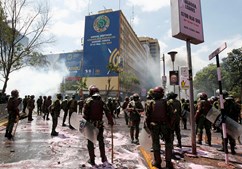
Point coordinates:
pixel 101 44
pixel 73 62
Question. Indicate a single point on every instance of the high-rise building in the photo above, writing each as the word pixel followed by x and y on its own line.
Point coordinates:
pixel 110 40
pixel 152 48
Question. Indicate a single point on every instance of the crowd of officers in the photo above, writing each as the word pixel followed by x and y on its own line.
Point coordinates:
pixel 162 115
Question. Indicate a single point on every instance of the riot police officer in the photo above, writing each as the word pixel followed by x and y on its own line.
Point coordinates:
pixel 159 119
pixel 13 112
pixel 135 108
pixel 31 107
pixel 55 111
pixel 64 107
pixel 177 107
pixel 203 106
pixel 93 110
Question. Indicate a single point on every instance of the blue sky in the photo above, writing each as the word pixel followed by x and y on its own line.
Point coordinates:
pixel 221 23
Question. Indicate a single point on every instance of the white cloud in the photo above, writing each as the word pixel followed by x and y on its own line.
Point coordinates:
pixel 75 5
pixel 59 14
pixel 234 42
pixel 75 30
pixel 149 6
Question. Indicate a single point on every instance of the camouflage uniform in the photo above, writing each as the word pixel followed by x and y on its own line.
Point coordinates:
pixel 31 107
pixel 72 107
pixel 64 107
pixel 13 113
pixel 47 104
pixel 93 110
pixel 135 108
pixel 231 110
pixel 176 104
pixel 25 102
pixel 39 104
pixel 203 106
pixel 124 106
pixel 160 121
pixel 55 111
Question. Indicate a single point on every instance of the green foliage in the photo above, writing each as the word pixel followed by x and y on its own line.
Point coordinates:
pixel 128 80
pixel 206 79
pixel 81 84
pixel 233 66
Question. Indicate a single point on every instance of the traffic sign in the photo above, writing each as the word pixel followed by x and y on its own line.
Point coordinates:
pixel 217 51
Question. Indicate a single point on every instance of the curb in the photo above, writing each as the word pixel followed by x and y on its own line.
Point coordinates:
pixel 147 156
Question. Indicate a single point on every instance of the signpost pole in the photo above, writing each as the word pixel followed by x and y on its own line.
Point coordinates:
pixel 212 55
pixel 191 98
pixel 222 110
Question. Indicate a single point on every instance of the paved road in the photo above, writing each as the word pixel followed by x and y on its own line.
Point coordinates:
pixel 35 148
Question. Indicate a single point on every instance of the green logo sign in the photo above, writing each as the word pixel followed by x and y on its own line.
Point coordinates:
pixel 101 23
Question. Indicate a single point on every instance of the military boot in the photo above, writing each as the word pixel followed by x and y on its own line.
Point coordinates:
pixel 157 159
pixel 199 139
pixel 233 152
pixel 169 165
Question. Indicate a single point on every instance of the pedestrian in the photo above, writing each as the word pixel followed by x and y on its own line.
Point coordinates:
pixel 231 110
pixel 160 121
pixel 64 107
pixel 13 112
pixel 72 107
pixel 55 109
pixel 135 107
pixel 203 107
pixel 48 102
pixel 31 107
pixel 39 105
pixel 93 110
pixel 124 106
pixel 176 104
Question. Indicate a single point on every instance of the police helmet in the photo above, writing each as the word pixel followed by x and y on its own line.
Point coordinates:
pixel 136 96
pixel 59 96
pixel 158 92
pixel 92 90
pixel 203 96
pixel 14 93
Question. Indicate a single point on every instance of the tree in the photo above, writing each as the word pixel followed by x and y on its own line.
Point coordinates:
pixel 233 66
pixel 80 85
pixel 21 36
pixel 206 80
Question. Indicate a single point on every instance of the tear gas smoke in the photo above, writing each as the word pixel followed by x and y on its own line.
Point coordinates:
pixel 41 81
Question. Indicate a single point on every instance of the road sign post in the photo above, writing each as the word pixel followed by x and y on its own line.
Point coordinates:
pixel 212 55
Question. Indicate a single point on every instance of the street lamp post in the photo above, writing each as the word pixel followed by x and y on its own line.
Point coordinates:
pixel 173 54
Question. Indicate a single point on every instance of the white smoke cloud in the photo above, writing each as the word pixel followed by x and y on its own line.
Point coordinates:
pixel 32 81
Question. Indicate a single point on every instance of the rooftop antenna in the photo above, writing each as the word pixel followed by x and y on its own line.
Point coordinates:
pixel 104 7
pixel 119 4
